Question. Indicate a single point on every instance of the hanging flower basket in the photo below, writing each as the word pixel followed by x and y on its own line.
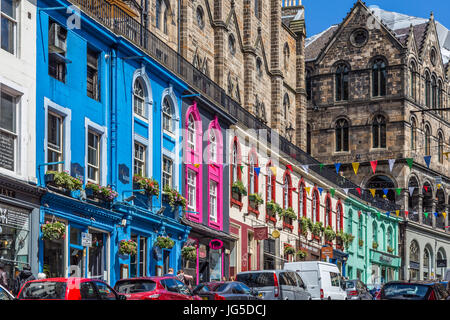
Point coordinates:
pixel 273 208
pixel 127 247
pixel 288 213
pixel 317 229
pixel 53 230
pixel 304 223
pixel 189 253
pixel 289 250
pixel 375 245
pixel 164 242
pixel 301 254
pixel 151 186
pixel 174 198
pixel 361 242
pixel 256 199
pixel 103 193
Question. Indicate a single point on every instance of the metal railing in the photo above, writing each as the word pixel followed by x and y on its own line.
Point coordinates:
pixel 122 24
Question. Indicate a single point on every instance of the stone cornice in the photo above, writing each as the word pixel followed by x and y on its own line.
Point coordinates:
pixel 21 186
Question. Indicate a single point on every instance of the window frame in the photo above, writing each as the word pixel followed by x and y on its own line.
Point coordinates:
pixel 96 79
pixel 379 78
pixel 165 173
pixel 101 132
pixel 342 82
pixel 142 161
pixel 342 135
pixel 12 21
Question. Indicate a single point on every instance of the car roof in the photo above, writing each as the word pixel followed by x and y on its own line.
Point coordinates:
pixel 154 278
pixel 420 282
pixel 72 279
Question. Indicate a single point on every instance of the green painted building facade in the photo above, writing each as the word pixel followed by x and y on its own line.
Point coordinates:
pixel 373 254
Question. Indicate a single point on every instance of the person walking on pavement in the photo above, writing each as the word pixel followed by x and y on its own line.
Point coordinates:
pixel 24 276
pixel 3 276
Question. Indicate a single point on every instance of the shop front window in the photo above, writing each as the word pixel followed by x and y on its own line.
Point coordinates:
pixel 98 256
pixel 269 254
pixel 166 261
pixel 215 265
pixel 77 257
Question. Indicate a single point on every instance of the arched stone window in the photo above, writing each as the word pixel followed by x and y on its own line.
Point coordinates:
pixel 427 89
pixel 427 140
pixel 412 81
pixel 413 134
pixel 286 106
pixel 342 137
pixel 308 138
pixel 308 84
pixel 341 82
pixel 286 55
pixel 315 205
pixel 434 92
pixel 379 132
pixel 379 78
pixel 168 115
pixel 139 94
pixel 379 183
pixel 441 147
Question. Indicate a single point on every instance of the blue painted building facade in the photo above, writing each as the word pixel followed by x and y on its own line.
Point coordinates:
pixel 105 111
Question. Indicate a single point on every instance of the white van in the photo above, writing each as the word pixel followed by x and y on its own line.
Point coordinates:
pixel 323 279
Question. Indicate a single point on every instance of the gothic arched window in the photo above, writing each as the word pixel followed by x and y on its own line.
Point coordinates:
pixel 341 82
pixel 342 138
pixel 379 132
pixel 379 78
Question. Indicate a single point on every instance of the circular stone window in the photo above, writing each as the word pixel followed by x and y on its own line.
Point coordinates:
pixel 433 56
pixel 200 17
pixel 359 37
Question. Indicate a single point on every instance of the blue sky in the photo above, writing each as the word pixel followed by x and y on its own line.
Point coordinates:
pixel 320 14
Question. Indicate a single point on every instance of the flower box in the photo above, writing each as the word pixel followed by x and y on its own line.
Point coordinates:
pixel 62 182
pixel 288 226
pixel 53 230
pixel 271 218
pixel 330 243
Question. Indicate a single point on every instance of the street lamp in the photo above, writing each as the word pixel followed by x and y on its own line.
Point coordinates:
pixel 290 132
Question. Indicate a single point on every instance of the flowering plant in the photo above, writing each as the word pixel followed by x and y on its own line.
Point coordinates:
pixel 105 192
pixel 305 225
pixel 189 253
pixel 390 249
pixel 164 242
pixel 317 229
pixel 65 180
pixel 329 233
pixel 239 188
pixel 255 197
pixel 301 254
pixel 288 213
pixel 289 250
pixel 274 207
pixel 175 198
pixel 128 247
pixel 53 230
pixel 150 185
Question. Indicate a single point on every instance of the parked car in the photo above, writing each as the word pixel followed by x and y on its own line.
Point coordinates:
pixel 229 290
pixel 413 290
pixel 68 289
pixel 154 288
pixel 323 279
pixel 357 290
pixel 374 289
pixel 275 284
pixel 5 294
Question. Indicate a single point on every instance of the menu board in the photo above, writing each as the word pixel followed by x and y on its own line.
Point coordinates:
pixel 6 151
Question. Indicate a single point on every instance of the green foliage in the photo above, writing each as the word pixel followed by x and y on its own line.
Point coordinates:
pixel 105 192
pixel 288 213
pixel 127 247
pixel 150 185
pixel 301 254
pixel 375 245
pixel 361 242
pixel 239 188
pixel 305 225
pixel 164 242
pixel 329 234
pixel 256 198
pixel 175 198
pixel 189 253
pixel 289 250
pixel 65 180
pixel 53 230
pixel 390 249
pixel 274 207
pixel 317 229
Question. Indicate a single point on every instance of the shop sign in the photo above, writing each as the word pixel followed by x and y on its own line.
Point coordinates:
pixel 441 264
pixel 385 259
pixel 275 234
pixel 216 244
pixel 327 252
pixel 414 265
pixel 86 239
pixel 261 233
pixel 12 216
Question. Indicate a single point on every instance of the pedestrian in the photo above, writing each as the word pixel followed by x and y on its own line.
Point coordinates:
pixel 448 290
pixel 24 276
pixel 169 273
pixel 3 276
pixel 180 276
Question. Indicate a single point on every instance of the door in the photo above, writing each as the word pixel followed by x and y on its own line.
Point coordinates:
pixel 171 288
pixel 301 289
pixel 77 253
pixel 105 292
pixel 98 256
pixel 311 279
pixel 288 286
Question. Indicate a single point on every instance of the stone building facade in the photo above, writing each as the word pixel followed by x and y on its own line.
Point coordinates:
pixel 367 86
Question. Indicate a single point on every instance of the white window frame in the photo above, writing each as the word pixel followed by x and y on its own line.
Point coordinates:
pixel 66 113
pixel 62 137
pixel 103 133
pixel 142 161
pixel 141 140
pixel 213 204
pixel 15 22
pixel 192 187
pixel 164 173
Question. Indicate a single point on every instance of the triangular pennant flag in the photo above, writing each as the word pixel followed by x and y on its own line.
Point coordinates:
pixel 391 164
pixel 410 162
pixel 399 191
pixel 385 191
pixel 242 169
pixel 411 191
pixel 444 214
pixel 289 167
pixel 332 191
pixel 257 170
pixel 406 213
pixel 372 191
pixel 337 166
pixel 321 166
pixel 359 190
pixel 446 154
pixel 378 215
pixel 359 213
pixel 427 160
pixel 439 185
pixel 346 191
pixel 426 214
pixel 397 212
pixel 426 188
pixel 374 165
pixel 197 165
pixel 305 167
pixel 388 214
pixel 355 167
pixel 320 190
pixel 274 170
pixel 436 214
pixel 307 189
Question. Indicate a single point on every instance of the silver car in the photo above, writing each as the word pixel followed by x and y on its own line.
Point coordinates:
pixel 276 284
pixel 5 295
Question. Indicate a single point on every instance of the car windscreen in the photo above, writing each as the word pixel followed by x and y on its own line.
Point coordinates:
pixel 405 290
pixel 44 290
pixel 349 284
pixel 256 279
pixel 135 286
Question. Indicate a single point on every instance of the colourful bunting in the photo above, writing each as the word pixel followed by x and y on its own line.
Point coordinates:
pixel 436 214
pixel 444 214
pixel 374 165
pixel 391 164
pixel 359 190
pixel 385 191
pixel 372 191
pixel 320 190
pixel 307 189
pixel 346 190
pixel 257 171
pixel 410 162
pixel 305 168
pixel 321 166
pixel 426 214
pixel 439 186
pixel 332 191
pixel 274 170
pixel 427 160
pixel 426 188
pixel 355 167
pixel 198 166
pixel 406 213
pixel 399 191
pixel 289 167
pixel 388 214
pixel 397 212
pixel 378 215
pixel 337 166
pixel 446 154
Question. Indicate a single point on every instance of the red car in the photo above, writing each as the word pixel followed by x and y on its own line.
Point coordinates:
pixel 155 288
pixel 68 289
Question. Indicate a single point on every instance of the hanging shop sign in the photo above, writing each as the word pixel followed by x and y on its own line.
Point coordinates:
pixel 327 252
pixel 261 233
pixel 441 264
pixel 216 244
pixel 275 234
pixel 13 216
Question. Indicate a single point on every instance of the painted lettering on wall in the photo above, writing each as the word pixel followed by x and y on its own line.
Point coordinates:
pixel 216 244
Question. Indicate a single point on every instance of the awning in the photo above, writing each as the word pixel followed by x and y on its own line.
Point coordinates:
pixel 207 232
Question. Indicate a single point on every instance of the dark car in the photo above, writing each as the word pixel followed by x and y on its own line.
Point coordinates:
pixel 230 290
pixel 68 289
pixel 374 289
pixel 154 288
pixel 413 290
pixel 357 290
